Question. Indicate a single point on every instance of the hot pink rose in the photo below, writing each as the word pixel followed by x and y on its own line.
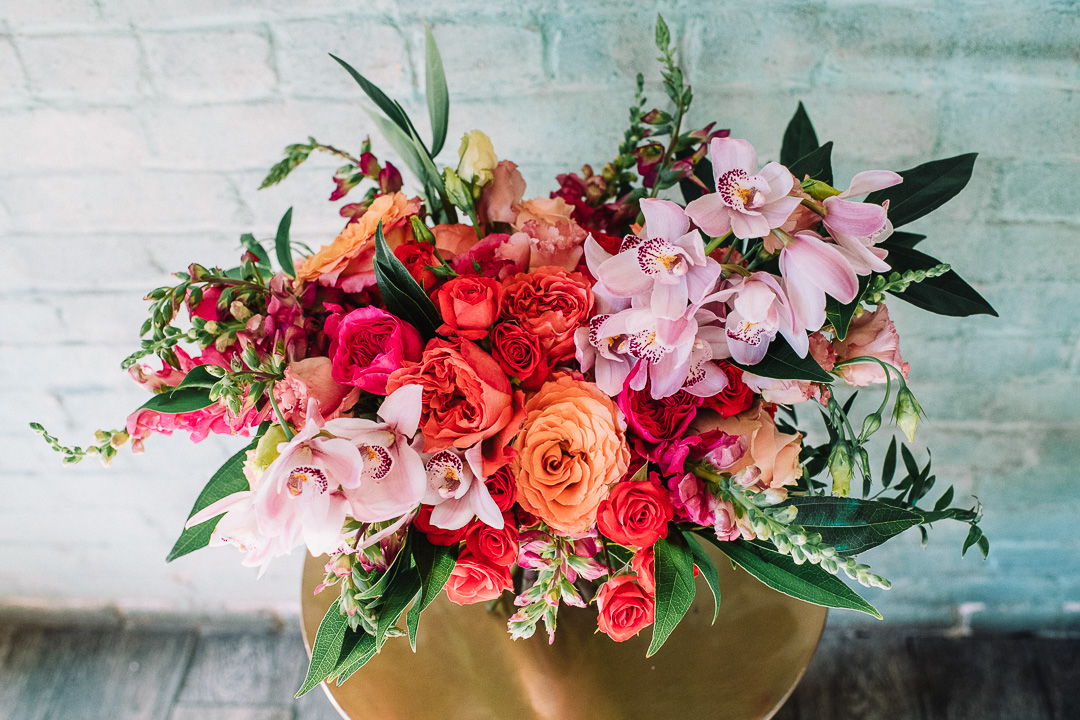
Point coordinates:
pixel 469 305
pixel 368 344
pixel 625 608
pixel 873 334
pixel 312 378
pixel 476 579
pixel 654 424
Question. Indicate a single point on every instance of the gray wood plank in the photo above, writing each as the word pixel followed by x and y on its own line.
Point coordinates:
pixel 212 712
pixel 111 675
pixel 316 706
pixel 19 651
pixel 858 675
pixel 1059 660
pixel 981 678
pixel 245 669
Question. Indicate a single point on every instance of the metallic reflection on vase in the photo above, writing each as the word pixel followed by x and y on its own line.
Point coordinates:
pixel 466 667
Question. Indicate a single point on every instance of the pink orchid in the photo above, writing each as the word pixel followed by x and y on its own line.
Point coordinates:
pixel 858 226
pixel 812 269
pixel 456 487
pixel 667 269
pixel 758 310
pixel 392 480
pixel 745 204
pixel 239 526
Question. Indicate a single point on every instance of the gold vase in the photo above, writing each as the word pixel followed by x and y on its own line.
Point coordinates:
pixel 466 666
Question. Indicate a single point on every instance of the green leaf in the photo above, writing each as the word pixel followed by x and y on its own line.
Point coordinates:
pixel 361 651
pixel 402 589
pixel 228 479
pixel 799 139
pixel 946 294
pixel 403 296
pixel 925 188
pixel 852 525
pixel 974 535
pixel 805 582
pixel 384 103
pixel 326 650
pixel 782 363
pixel 663 35
pixel 839 315
pixel 255 248
pixel 403 145
pixel 434 563
pixel 282 246
pixel 888 468
pixel 673 574
pixel 198 377
pixel 944 501
pixel 707 567
pixel 816 163
pixel 438 96
pixel 904 239
pixel 179 400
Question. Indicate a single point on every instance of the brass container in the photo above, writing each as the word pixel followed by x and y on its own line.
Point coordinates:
pixel 466 666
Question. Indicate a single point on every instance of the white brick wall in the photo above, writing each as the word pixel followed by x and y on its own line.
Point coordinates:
pixel 133 136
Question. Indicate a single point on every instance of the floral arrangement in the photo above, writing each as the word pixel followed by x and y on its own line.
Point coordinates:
pixel 563 397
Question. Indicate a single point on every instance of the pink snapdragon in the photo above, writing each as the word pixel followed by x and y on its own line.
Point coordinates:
pixel 746 204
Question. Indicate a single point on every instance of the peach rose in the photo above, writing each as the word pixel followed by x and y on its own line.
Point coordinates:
pixel 312 378
pixel 570 449
pixel 773 455
pixel 348 262
pixel 550 303
pixel 467 400
pixel 873 334
pixel 453 240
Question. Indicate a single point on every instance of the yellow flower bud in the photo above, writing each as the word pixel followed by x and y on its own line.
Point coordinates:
pixel 477 159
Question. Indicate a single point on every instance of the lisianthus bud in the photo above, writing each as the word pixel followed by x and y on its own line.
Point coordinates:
pixel 421 231
pixel 907 412
pixel 840 468
pixel 477 159
pixel 456 190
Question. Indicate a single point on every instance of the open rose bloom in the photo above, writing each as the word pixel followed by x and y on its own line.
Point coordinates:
pixel 557 397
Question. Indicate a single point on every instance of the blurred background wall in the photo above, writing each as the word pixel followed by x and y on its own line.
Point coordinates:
pixel 134 135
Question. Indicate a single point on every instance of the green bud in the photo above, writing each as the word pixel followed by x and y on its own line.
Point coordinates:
pixel 819 190
pixel 840 469
pixel 907 412
pixel 421 231
pixel 266 451
pixel 870 425
pixel 456 190
pixel 787 515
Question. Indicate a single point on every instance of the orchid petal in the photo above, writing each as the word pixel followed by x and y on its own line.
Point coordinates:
pixel 778 211
pixel 225 504
pixel 402 409
pixel 731 153
pixel 669 301
pixel 870 180
pixel 823 265
pixel 623 276
pixel 710 214
pixel 746 225
pixel 779 178
pixel 713 383
pixel 745 353
pixel 594 254
pixel 398 492
pixel 853 218
pixel 700 281
pixel 664 219
pixel 863 259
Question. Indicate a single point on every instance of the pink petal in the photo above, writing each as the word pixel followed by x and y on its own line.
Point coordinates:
pixel 701 280
pixel 664 219
pixel 594 254
pixel 623 276
pixel 402 409
pixel 745 225
pixel 778 211
pixel 779 178
pixel 806 298
pixel 823 264
pixel 863 259
pixel 214 509
pixel 710 214
pixel 692 244
pixel 745 353
pixel 871 180
pixel 398 492
pixel 730 153
pixel 611 374
pixel 713 383
pixel 853 218
pixel 670 301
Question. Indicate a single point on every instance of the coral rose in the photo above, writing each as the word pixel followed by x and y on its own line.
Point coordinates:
pixel 773 454
pixel 475 580
pixel 572 446
pixel 312 378
pixel 467 400
pixel 417 257
pixel 500 547
pixel 873 334
pixel 348 262
pixel 625 608
pixel 551 303
pixel 635 513
pixel 468 306
pixel 644 564
pixel 368 344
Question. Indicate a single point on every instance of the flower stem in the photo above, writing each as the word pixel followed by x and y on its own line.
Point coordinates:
pixel 280 417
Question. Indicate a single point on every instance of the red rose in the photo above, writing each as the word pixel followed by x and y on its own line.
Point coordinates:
pixel 469 305
pixel 417 258
pixel 497 546
pixel 654 423
pixel 625 608
pixel 503 488
pixel 519 353
pixel 437 535
pixel 644 565
pixel 550 303
pixel 475 580
pixel 735 398
pixel 635 513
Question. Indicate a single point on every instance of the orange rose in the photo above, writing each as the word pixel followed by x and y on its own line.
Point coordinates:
pixel 348 262
pixel 773 453
pixel 550 303
pixel 467 400
pixel 571 448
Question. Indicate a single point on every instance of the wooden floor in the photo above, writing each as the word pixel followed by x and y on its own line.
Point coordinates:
pixel 151 674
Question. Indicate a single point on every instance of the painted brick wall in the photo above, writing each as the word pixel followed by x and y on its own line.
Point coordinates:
pixel 133 136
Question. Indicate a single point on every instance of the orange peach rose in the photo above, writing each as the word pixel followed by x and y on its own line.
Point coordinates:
pixel 571 448
pixel 348 262
pixel 552 304
pixel 772 453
